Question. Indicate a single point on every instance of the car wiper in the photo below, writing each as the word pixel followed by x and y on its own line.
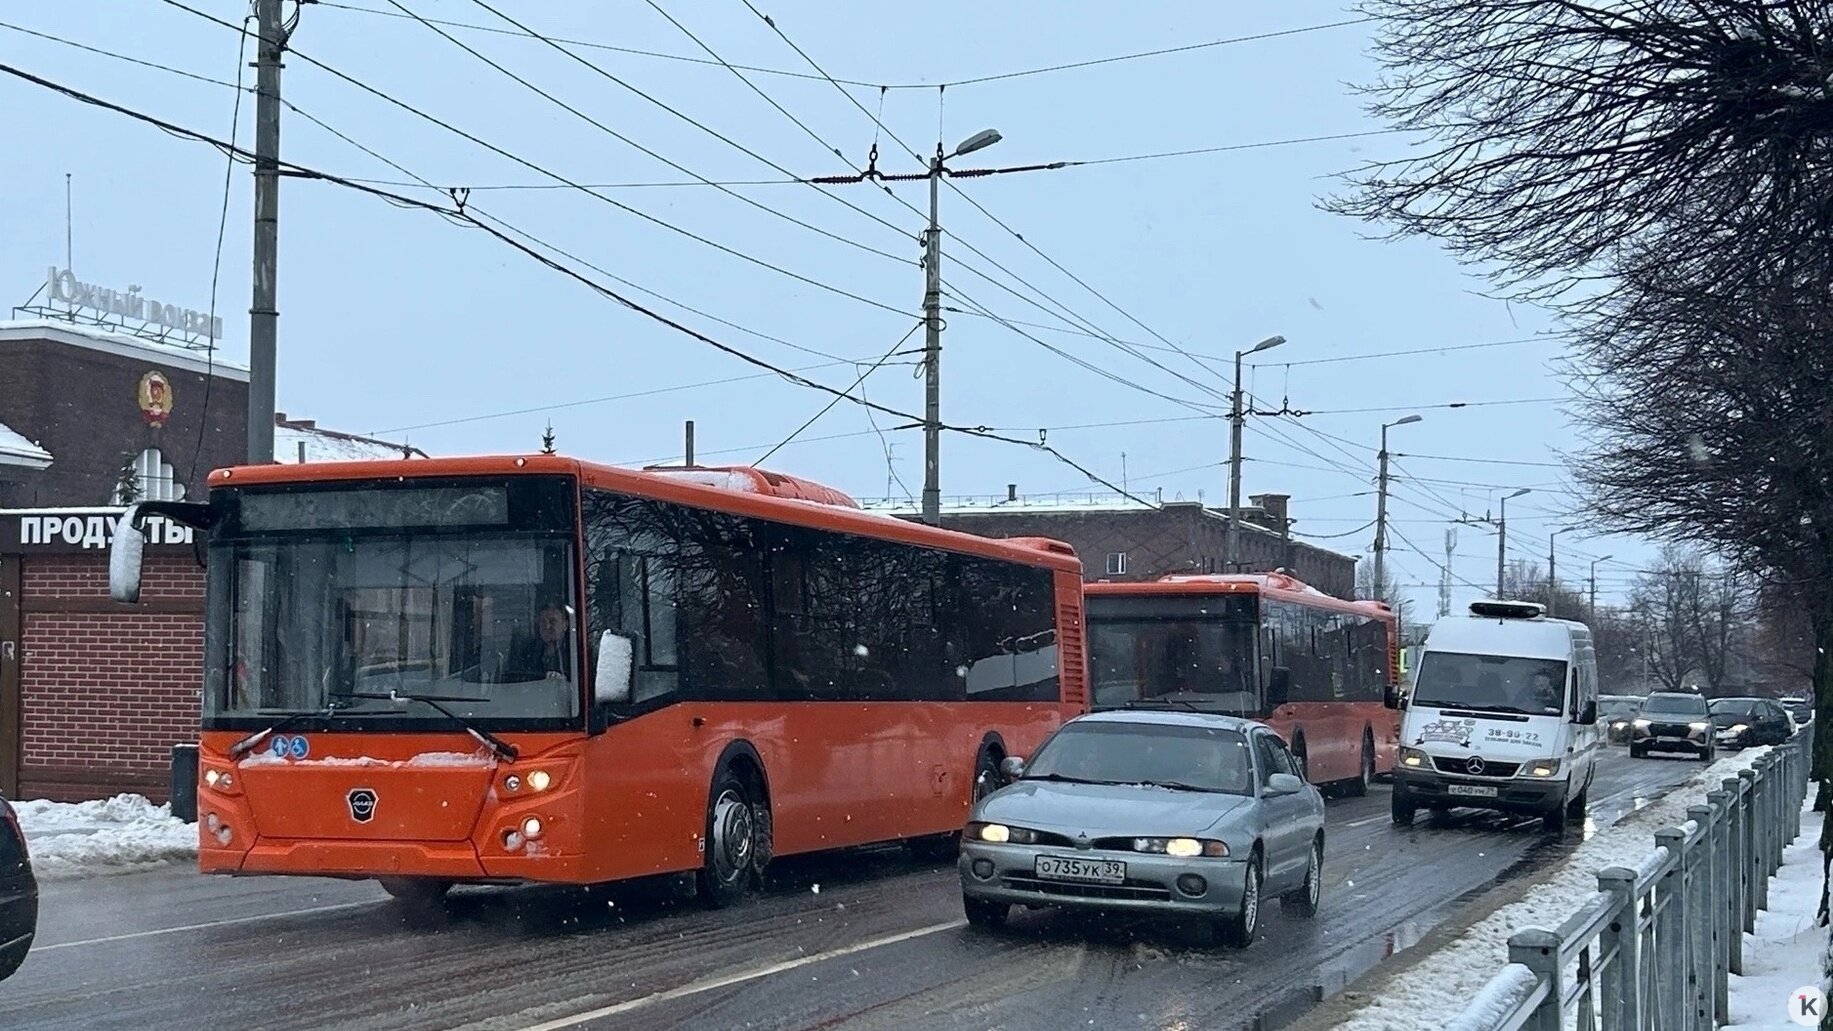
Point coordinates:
pixel 1065 778
pixel 1178 785
pixel 484 737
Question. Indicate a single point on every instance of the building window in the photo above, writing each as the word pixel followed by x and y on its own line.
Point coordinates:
pixel 153 479
pixel 1116 563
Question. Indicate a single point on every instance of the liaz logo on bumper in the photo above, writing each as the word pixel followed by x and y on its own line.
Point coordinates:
pixel 362 804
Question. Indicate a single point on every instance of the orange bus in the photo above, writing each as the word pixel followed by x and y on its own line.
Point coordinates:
pixel 1316 668
pixel 534 669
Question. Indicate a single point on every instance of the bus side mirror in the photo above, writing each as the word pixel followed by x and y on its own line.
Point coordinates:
pixel 1279 686
pixel 616 664
pixel 1588 715
pixel 1390 696
pixel 125 557
pixel 1011 768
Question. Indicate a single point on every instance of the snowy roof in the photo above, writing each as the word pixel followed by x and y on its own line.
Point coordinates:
pixel 15 449
pixel 94 339
pixel 1045 504
pixel 320 445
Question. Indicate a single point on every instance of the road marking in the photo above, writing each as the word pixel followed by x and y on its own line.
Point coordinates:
pixel 340 907
pixel 1365 821
pixel 728 980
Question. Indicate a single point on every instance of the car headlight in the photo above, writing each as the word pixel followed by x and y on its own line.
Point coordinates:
pixel 1539 768
pixel 1000 834
pixel 1700 726
pixel 1739 728
pixel 1618 725
pixel 1642 724
pixel 1182 848
pixel 1414 757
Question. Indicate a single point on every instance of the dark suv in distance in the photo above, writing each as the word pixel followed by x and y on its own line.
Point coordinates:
pixel 1673 721
pixel 18 893
pixel 1744 722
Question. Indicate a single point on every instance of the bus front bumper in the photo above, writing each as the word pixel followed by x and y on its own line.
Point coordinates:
pixel 1433 789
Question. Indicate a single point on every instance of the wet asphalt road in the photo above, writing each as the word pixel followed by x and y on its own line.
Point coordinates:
pixel 854 941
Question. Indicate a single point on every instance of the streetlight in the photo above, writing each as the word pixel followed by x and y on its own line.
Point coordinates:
pixel 1502 537
pixel 1594 585
pixel 1234 450
pixel 1381 507
pixel 932 318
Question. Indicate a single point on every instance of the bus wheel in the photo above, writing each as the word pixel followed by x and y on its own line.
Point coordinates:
pixel 418 892
pixel 1365 775
pixel 731 844
pixel 1304 760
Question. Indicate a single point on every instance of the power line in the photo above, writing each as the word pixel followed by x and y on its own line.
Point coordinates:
pixel 1450 404
pixel 458 213
pixel 882 127
pixel 518 159
pixel 685 59
pixel 1479 461
pixel 1155 53
pixel 869 370
pixel 124 57
pixel 1401 354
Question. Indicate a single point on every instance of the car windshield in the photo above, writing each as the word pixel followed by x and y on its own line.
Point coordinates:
pixel 1675 705
pixel 1207 758
pixel 1734 706
pixel 1493 683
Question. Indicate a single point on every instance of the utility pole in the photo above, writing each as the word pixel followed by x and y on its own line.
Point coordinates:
pixel 263 315
pixel 1593 608
pixel 1444 573
pixel 1552 581
pixel 1235 416
pixel 1380 586
pixel 932 349
pixel 1502 539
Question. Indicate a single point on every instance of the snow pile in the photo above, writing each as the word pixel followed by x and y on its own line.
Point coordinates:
pixel 445 759
pixel 117 835
pixel 1787 951
pixel 1444 983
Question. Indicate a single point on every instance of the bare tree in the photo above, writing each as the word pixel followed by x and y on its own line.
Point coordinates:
pixel 1367 589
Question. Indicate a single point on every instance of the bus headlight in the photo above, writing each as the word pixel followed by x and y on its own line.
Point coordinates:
pixel 1413 757
pixel 531 828
pixel 539 780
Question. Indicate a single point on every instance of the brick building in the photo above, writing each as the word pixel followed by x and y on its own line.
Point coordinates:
pixel 93 694
pixel 1120 539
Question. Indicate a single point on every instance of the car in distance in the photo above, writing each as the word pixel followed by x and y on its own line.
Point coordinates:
pixel 1745 722
pixel 1176 814
pixel 18 893
pixel 1616 712
pixel 1673 721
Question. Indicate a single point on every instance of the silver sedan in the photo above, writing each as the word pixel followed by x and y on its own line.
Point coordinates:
pixel 1166 813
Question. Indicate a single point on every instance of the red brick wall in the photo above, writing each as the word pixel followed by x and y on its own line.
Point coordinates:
pixel 107 690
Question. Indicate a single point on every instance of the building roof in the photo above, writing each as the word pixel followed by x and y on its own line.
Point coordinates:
pixel 1065 504
pixel 171 355
pixel 16 450
pixel 296 437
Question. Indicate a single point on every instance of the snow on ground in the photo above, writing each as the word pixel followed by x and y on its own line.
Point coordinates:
pixel 1787 951
pixel 1444 983
pixel 117 835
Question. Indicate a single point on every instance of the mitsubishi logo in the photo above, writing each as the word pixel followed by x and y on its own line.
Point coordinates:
pixel 1475 766
pixel 1083 842
pixel 362 804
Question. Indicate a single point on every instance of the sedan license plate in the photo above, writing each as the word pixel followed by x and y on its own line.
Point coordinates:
pixel 1095 871
pixel 1473 790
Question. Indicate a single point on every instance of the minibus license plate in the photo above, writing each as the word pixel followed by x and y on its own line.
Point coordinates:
pixel 1474 790
pixel 1098 871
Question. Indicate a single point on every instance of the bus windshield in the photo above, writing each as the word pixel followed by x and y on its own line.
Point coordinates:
pixel 1492 683
pixel 483 624
pixel 1200 660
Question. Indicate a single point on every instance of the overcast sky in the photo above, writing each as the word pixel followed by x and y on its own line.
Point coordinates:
pixel 399 322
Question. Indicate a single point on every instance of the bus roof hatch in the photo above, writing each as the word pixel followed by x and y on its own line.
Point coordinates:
pixel 1493 609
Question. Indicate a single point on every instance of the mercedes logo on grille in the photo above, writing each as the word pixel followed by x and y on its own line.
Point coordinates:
pixel 1475 765
pixel 362 804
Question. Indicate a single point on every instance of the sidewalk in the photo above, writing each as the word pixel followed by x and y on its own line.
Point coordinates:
pixel 1788 951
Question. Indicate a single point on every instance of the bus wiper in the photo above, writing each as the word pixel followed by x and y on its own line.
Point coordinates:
pixel 491 741
pixel 247 744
